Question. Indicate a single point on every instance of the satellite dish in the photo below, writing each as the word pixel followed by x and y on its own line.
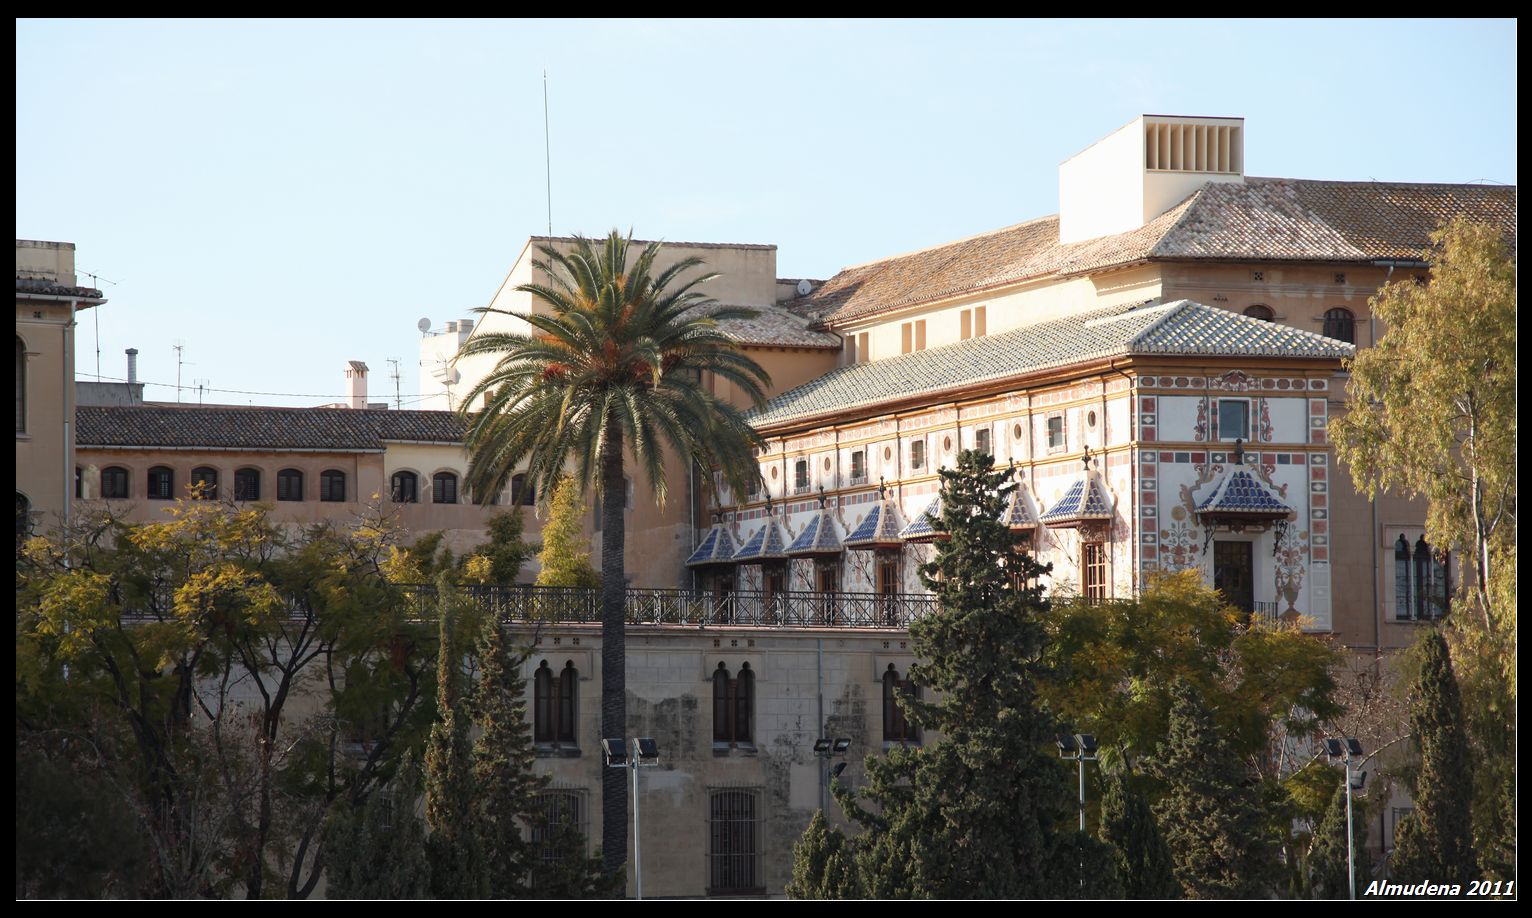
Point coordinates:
pixel 424 325
pixel 805 288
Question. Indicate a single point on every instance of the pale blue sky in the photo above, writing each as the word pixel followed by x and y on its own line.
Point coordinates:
pixel 284 197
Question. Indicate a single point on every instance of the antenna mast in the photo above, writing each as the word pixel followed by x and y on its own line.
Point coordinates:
pixel 179 347
pixel 394 362
pixel 547 156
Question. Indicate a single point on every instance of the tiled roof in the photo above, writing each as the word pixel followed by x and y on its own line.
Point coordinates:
pixel 817 538
pixel 775 326
pixel 1086 499
pixel 1260 219
pixel 1241 494
pixel 229 427
pixel 1182 327
pixel 923 528
pixel 878 529
pixel 766 544
pixel 717 548
pixel 1018 514
pixel 45 287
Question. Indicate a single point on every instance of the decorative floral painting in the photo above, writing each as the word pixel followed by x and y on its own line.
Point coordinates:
pixel 1181 543
pixel 1290 568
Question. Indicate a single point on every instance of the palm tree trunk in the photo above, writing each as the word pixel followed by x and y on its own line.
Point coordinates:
pixel 614 702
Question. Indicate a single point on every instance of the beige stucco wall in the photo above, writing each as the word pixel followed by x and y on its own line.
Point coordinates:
pixel 43 470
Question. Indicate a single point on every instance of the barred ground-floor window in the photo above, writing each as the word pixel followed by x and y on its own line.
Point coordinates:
pixel 734 842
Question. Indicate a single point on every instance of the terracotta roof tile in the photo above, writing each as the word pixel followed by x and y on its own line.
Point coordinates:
pixel 226 427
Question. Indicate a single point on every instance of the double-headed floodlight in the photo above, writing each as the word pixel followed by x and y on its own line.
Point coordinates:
pixel 646 753
pixel 1333 748
pixel 1349 749
pixel 1080 748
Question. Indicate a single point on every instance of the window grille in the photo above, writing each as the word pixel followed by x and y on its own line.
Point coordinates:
pixel 734 850
pixel 1340 324
pixel 1095 571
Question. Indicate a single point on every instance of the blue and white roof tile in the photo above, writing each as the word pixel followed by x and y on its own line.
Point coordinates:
pixel 717 548
pixel 923 528
pixel 817 538
pixel 766 544
pixel 1086 500
pixel 1242 494
pixel 878 529
pixel 1018 515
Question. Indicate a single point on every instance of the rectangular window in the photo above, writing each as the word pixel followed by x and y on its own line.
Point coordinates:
pixel 1095 571
pixel 1056 439
pixel 332 486
pixel 859 467
pixel 560 829
pixel 114 482
pixel 161 484
pixel 981 440
pixel 906 338
pixel 1421 582
pixel 800 476
pixel 918 454
pixel 1234 419
pixel 734 851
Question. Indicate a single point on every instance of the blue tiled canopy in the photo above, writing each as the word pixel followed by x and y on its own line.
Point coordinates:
pixel 817 538
pixel 922 529
pixel 1242 496
pixel 878 529
pixel 1086 500
pixel 1018 515
pixel 766 544
pixel 717 548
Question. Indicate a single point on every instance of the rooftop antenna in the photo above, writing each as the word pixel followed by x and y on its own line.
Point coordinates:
pixel 547 156
pixel 201 385
pixel 394 362
pixel 180 348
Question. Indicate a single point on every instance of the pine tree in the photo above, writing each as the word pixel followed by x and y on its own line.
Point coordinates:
pixel 1144 864
pixel 1213 819
pixel 505 784
pixel 378 850
pixel 565 557
pixel 457 868
pixel 1329 874
pixel 1435 843
pixel 979 812
pixel 822 864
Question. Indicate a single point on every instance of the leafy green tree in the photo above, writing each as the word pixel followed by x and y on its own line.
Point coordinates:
pixel 77 837
pixel 1144 864
pixel 458 870
pixel 378 849
pixel 1328 865
pixel 823 866
pixel 565 557
pixel 612 363
pixel 507 551
pixel 985 810
pixel 1435 842
pixel 1212 816
pixel 1440 387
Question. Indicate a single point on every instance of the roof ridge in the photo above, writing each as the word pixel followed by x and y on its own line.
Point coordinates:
pixel 943 245
pixel 1371 183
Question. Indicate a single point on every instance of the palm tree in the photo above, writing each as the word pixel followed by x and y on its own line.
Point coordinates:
pixel 614 368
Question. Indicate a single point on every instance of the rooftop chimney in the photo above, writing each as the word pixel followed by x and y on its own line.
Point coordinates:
pixel 356 384
pixel 132 353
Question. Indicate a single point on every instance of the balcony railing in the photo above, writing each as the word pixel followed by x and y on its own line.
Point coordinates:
pixel 1265 611
pixel 783 609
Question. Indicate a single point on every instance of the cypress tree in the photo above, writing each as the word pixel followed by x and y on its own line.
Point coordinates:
pixel 1435 843
pixel 565 557
pixel 378 850
pixel 979 812
pixel 1328 869
pixel 822 864
pixel 1213 819
pixel 457 867
pixel 1144 864
pixel 506 786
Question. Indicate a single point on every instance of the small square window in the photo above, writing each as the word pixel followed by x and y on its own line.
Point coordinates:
pixel 1233 419
pixel 858 466
pixel 1056 438
pixel 918 454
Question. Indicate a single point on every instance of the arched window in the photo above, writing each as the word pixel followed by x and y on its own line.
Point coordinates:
pixel 896 727
pixel 114 482
pixel 733 705
pixel 1340 324
pixel 1263 313
pixel 522 491
pixel 247 484
pixel 332 486
pixel 162 483
pixel 404 488
pixel 1422 580
pixel 204 482
pixel 289 485
pixel 553 704
pixel 444 488
pixel 1402 605
pixel 21 386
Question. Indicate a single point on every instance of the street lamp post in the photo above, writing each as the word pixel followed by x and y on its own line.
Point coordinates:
pixel 1081 748
pixel 1348 748
pixel 826 748
pixel 646 754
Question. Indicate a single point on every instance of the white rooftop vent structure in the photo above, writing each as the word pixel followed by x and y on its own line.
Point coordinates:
pixel 1143 169
pixel 356 384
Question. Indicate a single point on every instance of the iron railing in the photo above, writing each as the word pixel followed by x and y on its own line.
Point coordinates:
pixel 782 609
pixel 1265 611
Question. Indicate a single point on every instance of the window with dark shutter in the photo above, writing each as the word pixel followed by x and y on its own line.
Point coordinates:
pixel 404 488
pixel 733 705
pixel 444 488
pixel 332 486
pixel 1340 324
pixel 114 482
pixel 204 482
pixel 289 485
pixel 162 483
pixel 247 484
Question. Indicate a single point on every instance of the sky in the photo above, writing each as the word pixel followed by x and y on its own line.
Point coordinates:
pixel 281 197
